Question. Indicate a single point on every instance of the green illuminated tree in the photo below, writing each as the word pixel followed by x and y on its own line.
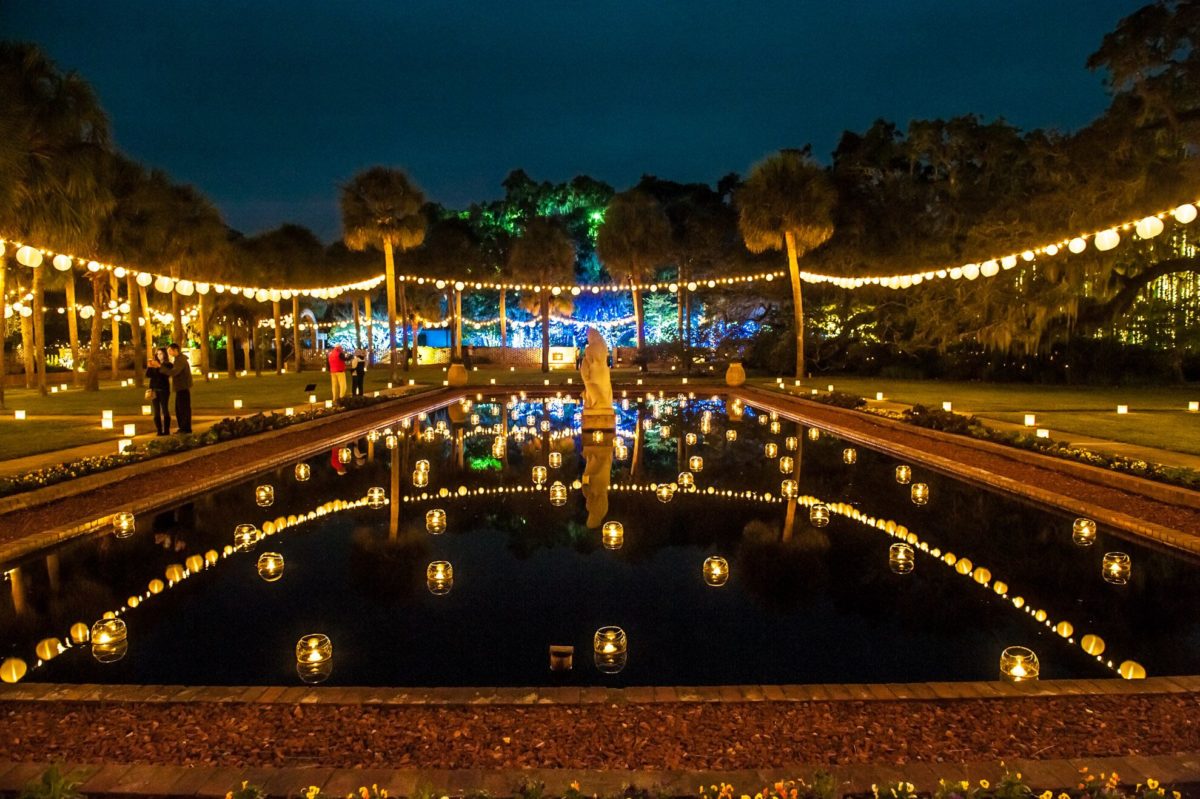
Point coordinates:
pixel 381 208
pixel 633 241
pixel 543 255
pixel 787 203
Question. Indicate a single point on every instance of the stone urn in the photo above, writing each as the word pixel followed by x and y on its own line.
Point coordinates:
pixel 457 375
pixel 735 375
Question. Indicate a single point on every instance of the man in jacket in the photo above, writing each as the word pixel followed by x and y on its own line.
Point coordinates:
pixel 180 372
pixel 337 372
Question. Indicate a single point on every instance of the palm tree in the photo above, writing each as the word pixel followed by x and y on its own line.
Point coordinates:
pixel 542 256
pixel 289 255
pixel 787 201
pixel 53 135
pixel 634 239
pixel 382 208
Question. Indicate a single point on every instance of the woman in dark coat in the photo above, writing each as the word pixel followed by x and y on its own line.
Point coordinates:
pixel 160 391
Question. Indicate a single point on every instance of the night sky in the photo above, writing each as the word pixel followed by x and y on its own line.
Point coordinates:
pixel 268 106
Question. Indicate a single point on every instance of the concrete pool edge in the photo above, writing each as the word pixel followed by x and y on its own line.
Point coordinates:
pixel 590 695
pixel 126 779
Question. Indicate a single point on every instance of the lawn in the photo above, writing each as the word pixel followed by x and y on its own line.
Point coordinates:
pixel 1158 416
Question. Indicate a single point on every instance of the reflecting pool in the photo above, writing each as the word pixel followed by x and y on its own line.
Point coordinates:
pixel 491 543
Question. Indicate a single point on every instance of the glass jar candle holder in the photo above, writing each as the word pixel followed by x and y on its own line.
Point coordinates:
pixel 1019 664
pixel 539 475
pixel 245 537
pixel 919 493
pixel 691 439
pixel 435 521
pixel 110 640
pixel 775 427
pixel 715 571
pixel 390 440
pixel 612 535
pixel 731 435
pixel 270 566
pixel 314 673
pixel 1116 568
pixel 901 558
pixel 903 474
pixel 850 455
pixel 264 496
pixel 818 515
pixel 345 455
pixel 686 481
pixel 376 497
pixel 303 472
pixel 610 649
pixel 696 463
pixel 788 489
pixel 420 479
pixel 814 434
pixel 791 443
pixel 439 577
pixel 771 450
pixel 558 494
pixel 786 464
pixel 124 524
pixel 314 648
pixel 665 492
pixel 373 436
pixel 1083 532
pixel 421 465
pixel 555 460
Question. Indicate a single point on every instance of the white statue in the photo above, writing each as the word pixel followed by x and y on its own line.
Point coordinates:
pixel 597 381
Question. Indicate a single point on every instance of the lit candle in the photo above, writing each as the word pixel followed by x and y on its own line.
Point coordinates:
pixel 610 649
pixel 920 493
pixel 903 474
pixel 245 536
pixel 1116 568
pixel 439 577
pixel 1083 532
pixel 731 435
pixel 818 515
pixel 1122 409
pixel 237 403
pixel 1019 664
pixel 270 566
pixel 716 571
pixel 690 438
pixel 124 524
pixel 376 497
pixel 314 648
pixel 686 481
pixel 1030 420
pixel 612 535
pixel 19 415
pixel 110 640
pixel 901 558
pixel 665 492
pixel 420 479
pixel 264 496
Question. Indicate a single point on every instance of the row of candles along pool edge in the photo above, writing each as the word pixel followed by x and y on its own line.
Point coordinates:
pixel 109 635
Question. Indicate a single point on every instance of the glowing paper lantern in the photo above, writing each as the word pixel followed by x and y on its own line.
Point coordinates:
pixel 1019 664
pixel 1092 644
pixel 62 262
pixel 163 284
pixel 716 571
pixel 80 633
pixel 1149 227
pixel 1184 214
pixel 1131 670
pixel 143 279
pixel 13 670
pixel 1077 245
pixel 29 256
pixel 1107 239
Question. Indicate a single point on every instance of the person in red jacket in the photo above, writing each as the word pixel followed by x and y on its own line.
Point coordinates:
pixel 337 372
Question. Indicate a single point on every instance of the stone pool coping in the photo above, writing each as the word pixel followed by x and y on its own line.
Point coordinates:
pixel 1181 540
pixel 124 779
pixel 590 695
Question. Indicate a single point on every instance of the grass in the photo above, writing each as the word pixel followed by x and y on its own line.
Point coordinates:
pixel 1158 415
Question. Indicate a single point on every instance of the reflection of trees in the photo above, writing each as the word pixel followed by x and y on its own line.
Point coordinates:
pixel 387 570
pixel 782 575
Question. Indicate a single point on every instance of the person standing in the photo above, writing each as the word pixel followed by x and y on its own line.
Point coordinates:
pixel 358 372
pixel 337 372
pixel 160 391
pixel 180 372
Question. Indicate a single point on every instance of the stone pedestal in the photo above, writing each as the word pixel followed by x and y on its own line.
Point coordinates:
pixel 599 419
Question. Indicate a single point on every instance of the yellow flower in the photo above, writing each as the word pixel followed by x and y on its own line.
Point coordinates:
pixel 575 785
pixel 984 784
pixel 1152 784
pixel 1063 796
pixel 1047 795
pixel 964 785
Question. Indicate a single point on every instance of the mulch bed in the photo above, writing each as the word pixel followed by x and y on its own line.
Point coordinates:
pixel 692 736
pixel 1047 477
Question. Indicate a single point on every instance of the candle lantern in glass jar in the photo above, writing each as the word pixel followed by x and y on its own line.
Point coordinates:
pixel 849 455
pixel 901 558
pixel 435 521
pixel 920 493
pixel 612 535
pixel 686 481
pixel 610 649
pixel 903 474
pixel 716 571
pixel 264 496
pixel 439 577
pixel 539 475
pixel 110 640
pixel 771 450
pixel 786 464
pixel 124 524
pixel 245 536
pixel 1019 664
pixel 270 566
pixel 818 515
pixel 558 494
pixel 555 460
pixel 376 497
pixel 303 472
pixel 1117 567
pixel 1083 532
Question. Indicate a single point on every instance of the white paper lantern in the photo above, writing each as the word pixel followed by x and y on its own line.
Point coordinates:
pixel 1077 245
pixel 119 272
pixel 1008 261
pixel 971 271
pixel 989 268
pixel 1050 249
pixel 202 288
pixel 1149 227
pixel 262 295
pixel 1027 255
pixel 87 312
pixel 276 295
pixel 62 262
pixel 1184 214
pixel 143 279
pixel 185 288
pixel 1107 239
pixel 164 284
pixel 29 256
pixel 956 273
pixel 93 266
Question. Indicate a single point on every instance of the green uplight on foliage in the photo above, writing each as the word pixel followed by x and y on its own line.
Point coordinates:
pixel 484 464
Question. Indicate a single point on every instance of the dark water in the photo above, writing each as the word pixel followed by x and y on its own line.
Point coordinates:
pixel 803 604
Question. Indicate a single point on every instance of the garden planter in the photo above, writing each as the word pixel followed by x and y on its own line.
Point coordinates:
pixel 735 375
pixel 457 374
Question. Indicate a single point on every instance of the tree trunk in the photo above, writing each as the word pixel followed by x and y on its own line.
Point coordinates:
pixel 246 349
pixel 28 345
pixel 370 330
pixel 135 333
pixel 114 347
pixel 797 301
pixel 357 324
pixel 503 329
pixel 278 338
pixel 389 259
pixel 93 361
pixel 687 318
pixel 296 330
pixel 416 334
pixel 679 303
pixel 458 324
pixel 259 339
pixel 404 330
pixel 641 330
pixel 39 326
pixel 205 355
pixel 3 325
pixel 147 317
pixel 230 360
pixel 545 330
pixel 177 321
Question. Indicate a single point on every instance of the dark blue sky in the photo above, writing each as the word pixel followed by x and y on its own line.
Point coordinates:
pixel 268 106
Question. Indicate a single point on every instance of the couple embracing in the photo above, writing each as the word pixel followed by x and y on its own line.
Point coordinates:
pixel 169 369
